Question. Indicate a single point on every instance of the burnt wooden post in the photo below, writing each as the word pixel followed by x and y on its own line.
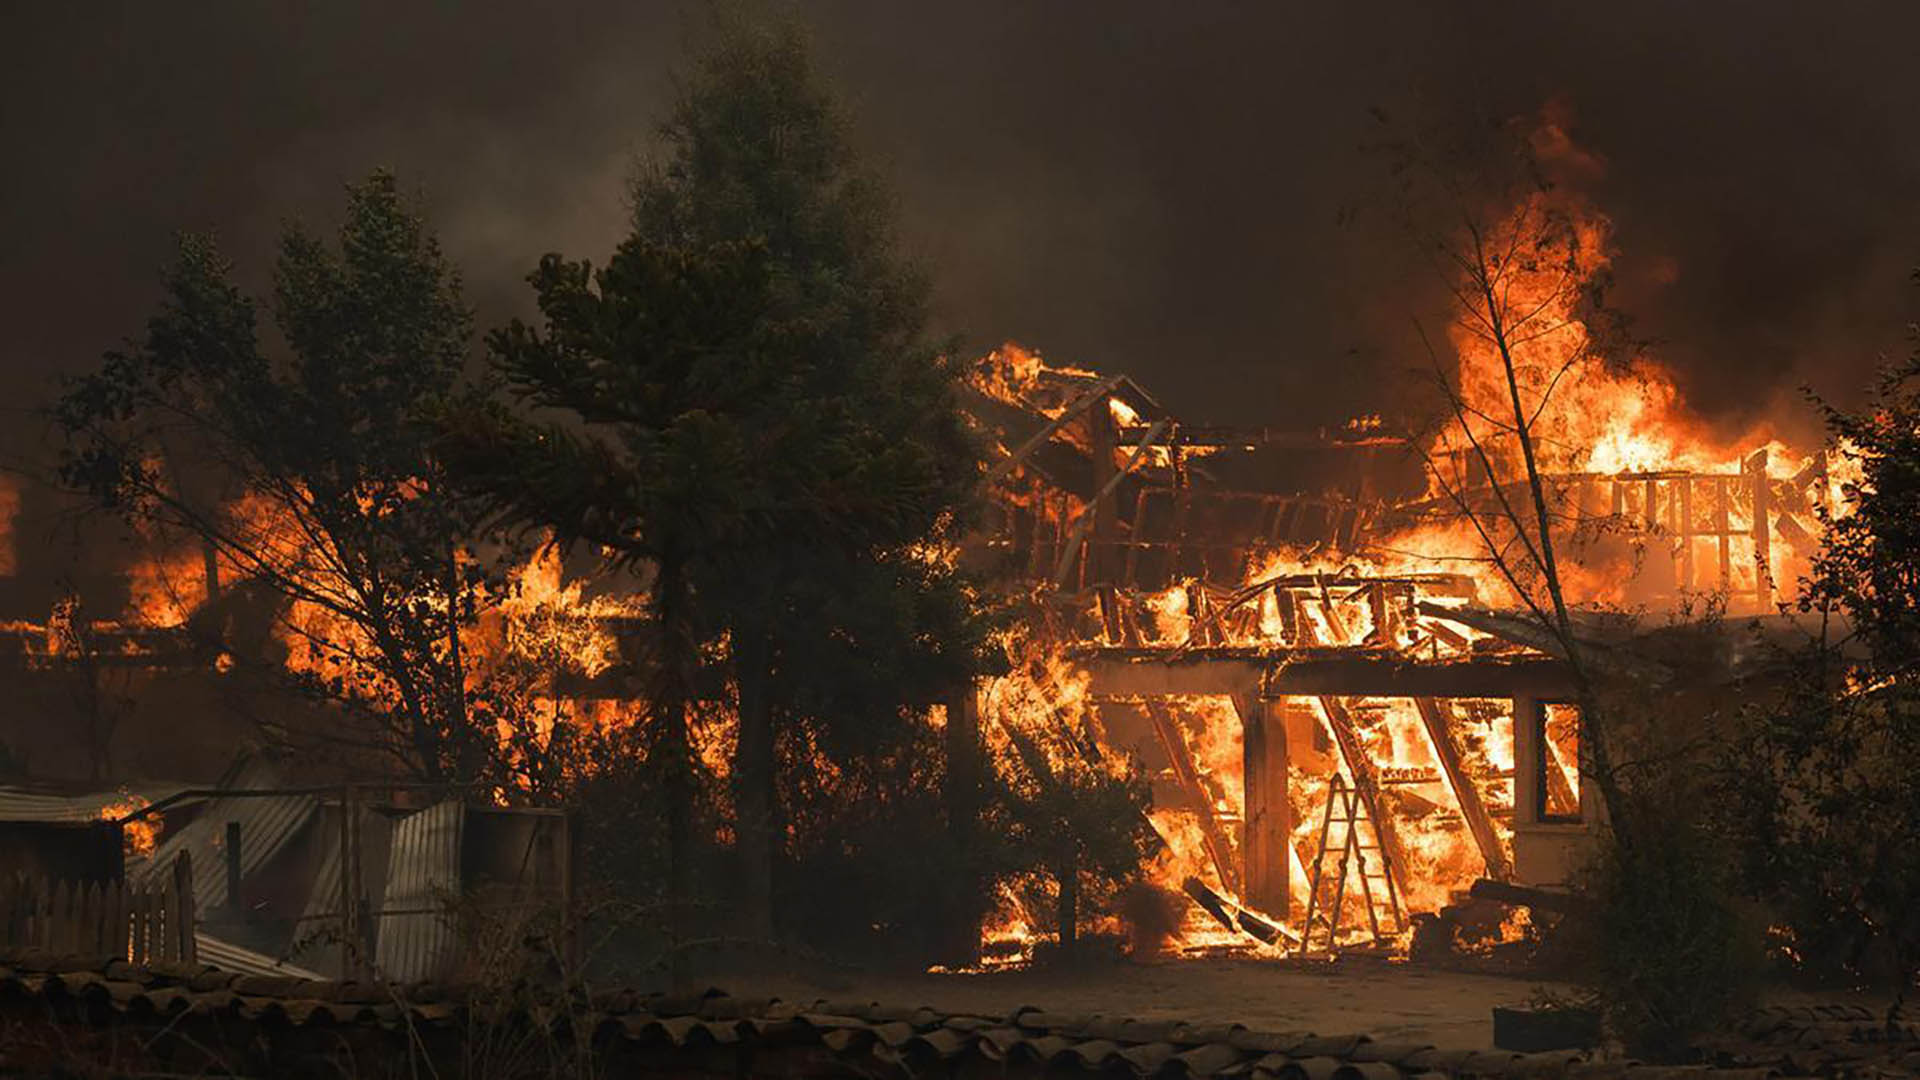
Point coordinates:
pixel 1446 750
pixel 180 927
pixel 1762 530
pixel 1685 530
pixel 1105 512
pixel 1722 524
pixel 1267 827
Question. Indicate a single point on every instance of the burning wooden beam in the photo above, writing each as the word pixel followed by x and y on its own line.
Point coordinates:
pixel 1187 773
pixel 1435 715
pixel 1267 823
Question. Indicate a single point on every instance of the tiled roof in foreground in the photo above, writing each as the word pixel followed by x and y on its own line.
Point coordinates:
pixel 713 1034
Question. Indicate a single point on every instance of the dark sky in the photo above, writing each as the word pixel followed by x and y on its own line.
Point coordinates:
pixel 1149 187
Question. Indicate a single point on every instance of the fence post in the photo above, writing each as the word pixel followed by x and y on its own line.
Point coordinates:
pixel 122 943
pixel 182 925
pixel 61 919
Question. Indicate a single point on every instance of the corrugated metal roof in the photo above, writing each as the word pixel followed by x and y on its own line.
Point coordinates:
pixel 423 870
pixel 225 955
pixel 267 822
pixel 28 804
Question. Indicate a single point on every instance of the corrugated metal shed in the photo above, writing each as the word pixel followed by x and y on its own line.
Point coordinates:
pixel 423 870
pixel 267 823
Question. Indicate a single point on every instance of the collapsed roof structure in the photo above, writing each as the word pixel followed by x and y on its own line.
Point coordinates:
pixel 1347 716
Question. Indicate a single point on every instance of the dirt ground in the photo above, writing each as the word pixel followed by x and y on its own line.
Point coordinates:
pixel 1387 1001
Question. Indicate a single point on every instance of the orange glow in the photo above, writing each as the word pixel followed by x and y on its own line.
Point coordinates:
pixel 137 837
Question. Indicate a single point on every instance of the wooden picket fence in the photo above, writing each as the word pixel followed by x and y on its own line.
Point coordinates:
pixel 145 924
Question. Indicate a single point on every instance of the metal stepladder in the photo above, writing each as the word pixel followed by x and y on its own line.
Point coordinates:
pixel 1344 808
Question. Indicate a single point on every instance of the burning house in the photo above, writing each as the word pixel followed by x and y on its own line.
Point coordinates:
pixel 1348 713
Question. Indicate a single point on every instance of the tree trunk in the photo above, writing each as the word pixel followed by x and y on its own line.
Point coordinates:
pixel 1596 757
pixel 672 749
pixel 753 777
pixel 964 770
pixel 1069 880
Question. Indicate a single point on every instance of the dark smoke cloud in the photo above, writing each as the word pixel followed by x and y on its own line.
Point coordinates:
pixel 1142 186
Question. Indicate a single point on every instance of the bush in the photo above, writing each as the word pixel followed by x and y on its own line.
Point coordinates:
pixel 1665 952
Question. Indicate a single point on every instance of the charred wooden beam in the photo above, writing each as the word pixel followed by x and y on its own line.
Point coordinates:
pixel 1392 675
pixel 1067 416
pixel 1762 529
pixel 1104 511
pixel 1466 794
pixel 1163 673
pixel 1266 827
pixel 1186 772
pixel 1090 520
pixel 1504 892
pixel 1222 436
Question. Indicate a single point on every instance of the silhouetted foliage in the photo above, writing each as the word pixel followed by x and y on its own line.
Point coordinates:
pixel 304 471
pixel 743 402
pixel 1822 789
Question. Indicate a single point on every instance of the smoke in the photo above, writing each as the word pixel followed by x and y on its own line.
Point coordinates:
pixel 1160 189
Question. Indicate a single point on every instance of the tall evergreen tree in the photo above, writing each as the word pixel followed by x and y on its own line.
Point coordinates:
pixel 748 405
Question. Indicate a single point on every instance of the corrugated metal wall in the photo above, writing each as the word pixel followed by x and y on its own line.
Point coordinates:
pixel 423 871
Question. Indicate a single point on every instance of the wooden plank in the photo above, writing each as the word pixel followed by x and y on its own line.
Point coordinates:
pixel 1099 393
pixel 1097 563
pixel 163 937
pixel 1684 527
pixel 1762 530
pixel 117 913
pixel 1187 773
pixel 89 930
pixel 1466 794
pixel 136 927
pixel 60 921
pixel 1721 520
pixel 184 949
pixel 1091 518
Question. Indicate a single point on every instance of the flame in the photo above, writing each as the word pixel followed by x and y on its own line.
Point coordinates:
pixel 1656 505
pixel 137 837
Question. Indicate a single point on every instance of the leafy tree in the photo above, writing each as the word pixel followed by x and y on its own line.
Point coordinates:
pixel 304 471
pixel 742 402
pixel 1821 792
pixel 1520 265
